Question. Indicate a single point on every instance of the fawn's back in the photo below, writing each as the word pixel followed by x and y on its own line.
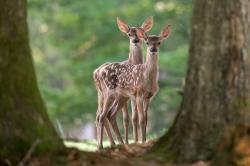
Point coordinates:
pixel 121 75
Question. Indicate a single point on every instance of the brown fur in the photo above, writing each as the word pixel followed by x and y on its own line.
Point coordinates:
pixel 139 82
pixel 135 57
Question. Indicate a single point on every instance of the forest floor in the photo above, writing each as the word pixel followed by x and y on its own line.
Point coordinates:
pixel 121 155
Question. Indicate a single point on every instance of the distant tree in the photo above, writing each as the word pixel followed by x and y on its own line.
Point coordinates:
pixel 23 117
pixel 217 91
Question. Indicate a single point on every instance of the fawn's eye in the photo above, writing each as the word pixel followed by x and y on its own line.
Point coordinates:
pixel 129 34
pixel 147 43
pixel 159 43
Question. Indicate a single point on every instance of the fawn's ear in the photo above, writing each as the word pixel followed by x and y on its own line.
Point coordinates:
pixel 122 25
pixel 148 23
pixel 165 32
pixel 141 34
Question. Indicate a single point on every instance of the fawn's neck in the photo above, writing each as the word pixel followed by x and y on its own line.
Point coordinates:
pixel 135 54
pixel 151 69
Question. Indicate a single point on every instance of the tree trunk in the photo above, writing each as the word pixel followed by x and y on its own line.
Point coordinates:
pixel 23 117
pixel 234 147
pixel 217 91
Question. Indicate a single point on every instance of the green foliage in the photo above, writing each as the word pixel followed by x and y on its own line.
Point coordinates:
pixel 71 38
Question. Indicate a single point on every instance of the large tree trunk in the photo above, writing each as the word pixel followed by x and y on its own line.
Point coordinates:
pixel 217 91
pixel 23 117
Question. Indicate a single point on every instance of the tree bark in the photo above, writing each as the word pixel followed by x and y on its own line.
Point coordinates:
pixel 234 147
pixel 23 117
pixel 217 91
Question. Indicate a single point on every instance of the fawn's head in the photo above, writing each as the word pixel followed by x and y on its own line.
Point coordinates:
pixel 131 31
pixel 153 42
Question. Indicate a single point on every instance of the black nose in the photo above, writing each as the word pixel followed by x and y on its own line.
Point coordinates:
pixel 135 41
pixel 153 49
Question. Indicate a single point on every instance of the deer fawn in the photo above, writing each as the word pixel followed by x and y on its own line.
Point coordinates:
pixel 120 102
pixel 138 82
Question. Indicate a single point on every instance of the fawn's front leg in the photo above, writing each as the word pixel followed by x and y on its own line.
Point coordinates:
pixel 145 110
pixel 139 103
pixel 134 120
pixel 125 120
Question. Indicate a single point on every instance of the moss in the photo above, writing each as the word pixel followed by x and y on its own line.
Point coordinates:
pixel 161 151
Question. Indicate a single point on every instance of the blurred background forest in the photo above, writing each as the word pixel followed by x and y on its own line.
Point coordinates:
pixel 69 39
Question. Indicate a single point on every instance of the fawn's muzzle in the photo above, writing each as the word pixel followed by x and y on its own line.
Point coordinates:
pixel 135 41
pixel 153 49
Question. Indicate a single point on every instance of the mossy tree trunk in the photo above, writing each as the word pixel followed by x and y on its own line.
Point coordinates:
pixel 23 117
pixel 217 91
